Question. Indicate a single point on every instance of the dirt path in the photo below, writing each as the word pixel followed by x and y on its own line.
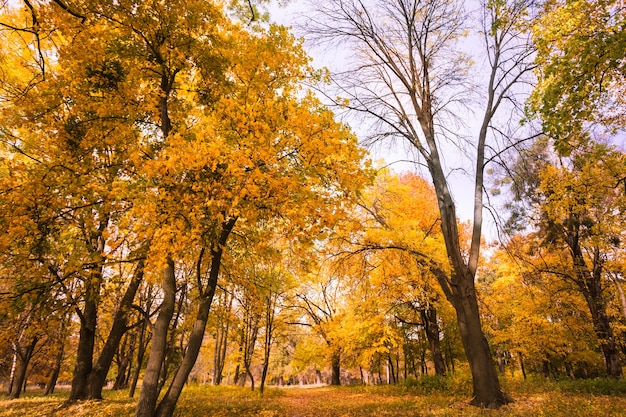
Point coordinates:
pixel 331 402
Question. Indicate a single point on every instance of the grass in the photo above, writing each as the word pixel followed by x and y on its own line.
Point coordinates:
pixel 426 397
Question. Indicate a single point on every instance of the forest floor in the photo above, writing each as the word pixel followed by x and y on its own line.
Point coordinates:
pixel 449 397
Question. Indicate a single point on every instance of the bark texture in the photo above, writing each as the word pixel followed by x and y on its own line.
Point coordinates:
pixel 149 390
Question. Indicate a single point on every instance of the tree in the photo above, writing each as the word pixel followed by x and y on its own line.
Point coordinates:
pixel 576 205
pixel 580 51
pixel 583 208
pixel 148 398
pixel 71 166
pixel 407 78
pixel 223 316
pixel 98 375
pixel 274 156
pixel 269 266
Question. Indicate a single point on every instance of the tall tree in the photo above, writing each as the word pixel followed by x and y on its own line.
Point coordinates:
pixel 72 162
pixel 576 205
pixel 584 209
pixel 271 162
pixel 161 122
pixel 408 79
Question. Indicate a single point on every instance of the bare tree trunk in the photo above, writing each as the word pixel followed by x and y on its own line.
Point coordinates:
pixel 54 375
pixel 392 371
pixel 590 284
pixel 449 356
pixel 146 404
pixel 24 356
pixel 141 349
pixel 521 364
pixel 500 359
pixel 97 377
pixel 221 341
pixel 89 315
pixel 484 375
pixel 237 375
pixel 250 337
pixel 87 336
pixel 121 379
pixel 168 403
pixel 269 330
pixel 123 359
pixel 13 367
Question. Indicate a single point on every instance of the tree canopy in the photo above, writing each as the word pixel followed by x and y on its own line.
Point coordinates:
pixel 182 198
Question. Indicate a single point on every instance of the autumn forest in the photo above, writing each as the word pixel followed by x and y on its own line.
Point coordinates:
pixel 197 218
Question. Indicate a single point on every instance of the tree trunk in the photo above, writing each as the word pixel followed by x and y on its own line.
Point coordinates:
pixel 335 366
pixel 269 331
pixel 89 315
pixel 221 342
pixel 148 396
pixel 124 356
pixel 429 318
pixel 52 382
pixel 250 337
pixel 500 359
pixel 590 284
pixel 413 367
pixel 521 364
pixel 397 356
pixel 249 373
pixel 13 368
pixel 168 403
pixel 24 356
pixel 392 378
pixel 121 379
pixel 172 360
pixel 604 331
pixel 123 359
pixel 460 289
pixel 486 386
pixel 449 356
pixel 87 336
pixel 237 373
pixel 141 350
pixel 97 377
